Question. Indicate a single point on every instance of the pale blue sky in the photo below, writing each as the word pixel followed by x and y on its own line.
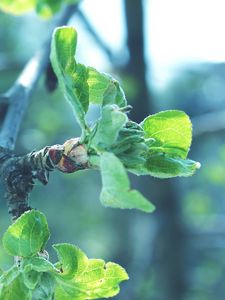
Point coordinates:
pixel 178 32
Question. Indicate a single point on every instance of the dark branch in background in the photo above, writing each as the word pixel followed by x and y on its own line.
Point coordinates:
pixel 136 67
pixel 19 94
pixel 18 173
pixel 167 258
pixel 96 37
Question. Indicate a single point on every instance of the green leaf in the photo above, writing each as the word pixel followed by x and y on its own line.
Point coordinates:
pixel 172 131
pixel 45 288
pixel 17 7
pixel 162 166
pixel 116 190
pixel 111 122
pixel 39 264
pixel 8 276
pixel 72 260
pixel 98 84
pixel 28 235
pixel 16 290
pixel 31 279
pixel 81 85
pixel 92 278
pixel 104 89
pixel 72 77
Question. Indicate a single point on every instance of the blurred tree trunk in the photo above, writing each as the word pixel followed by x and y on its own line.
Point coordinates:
pixel 136 67
pixel 166 261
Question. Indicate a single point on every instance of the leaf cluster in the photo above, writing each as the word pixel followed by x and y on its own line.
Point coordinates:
pixel 73 276
pixel 158 146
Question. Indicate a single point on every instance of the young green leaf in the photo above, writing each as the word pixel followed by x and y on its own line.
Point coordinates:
pixel 81 85
pixel 38 264
pixel 111 122
pixel 162 166
pixel 72 77
pixel 98 84
pixel 116 190
pixel 16 290
pixel 71 259
pixel 104 89
pixel 91 278
pixel 172 131
pixel 31 279
pixel 28 235
pixel 45 288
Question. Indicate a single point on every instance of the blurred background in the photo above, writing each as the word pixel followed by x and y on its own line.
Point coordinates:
pixel 167 55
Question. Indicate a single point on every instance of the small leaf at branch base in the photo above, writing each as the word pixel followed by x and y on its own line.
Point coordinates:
pixel 172 131
pixel 28 235
pixel 91 278
pixel 116 187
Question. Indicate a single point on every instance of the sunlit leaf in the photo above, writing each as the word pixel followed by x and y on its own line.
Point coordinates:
pixel 28 235
pixel 72 77
pixel 91 278
pixel 116 190
pixel 162 166
pixel 172 131
pixel 98 84
pixel 72 260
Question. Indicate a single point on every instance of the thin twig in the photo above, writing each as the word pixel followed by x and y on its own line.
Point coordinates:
pixel 96 37
pixel 20 93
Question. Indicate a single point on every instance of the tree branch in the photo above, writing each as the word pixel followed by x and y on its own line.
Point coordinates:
pixel 20 93
pixel 96 37
pixel 19 172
